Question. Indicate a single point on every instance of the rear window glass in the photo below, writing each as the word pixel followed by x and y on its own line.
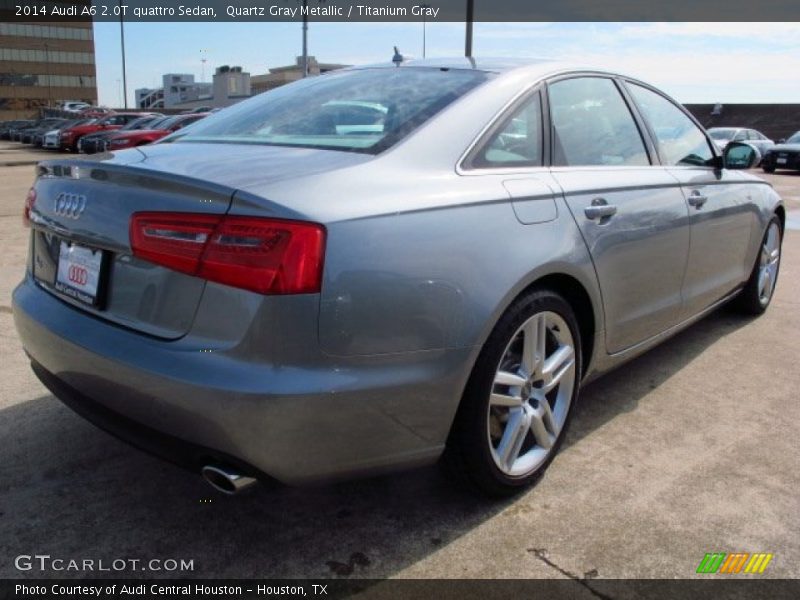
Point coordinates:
pixel 365 110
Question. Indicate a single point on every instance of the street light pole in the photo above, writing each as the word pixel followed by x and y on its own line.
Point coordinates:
pixel 304 60
pixel 49 77
pixel 470 18
pixel 424 23
pixel 122 46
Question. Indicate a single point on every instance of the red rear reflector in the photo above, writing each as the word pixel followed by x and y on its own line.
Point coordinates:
pixel 30 201
pixel 269 256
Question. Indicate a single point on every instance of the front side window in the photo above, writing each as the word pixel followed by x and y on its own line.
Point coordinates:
pixel 592 125
pixel 363 110
pixel 680 140
pixel 721 134
pixel 518 141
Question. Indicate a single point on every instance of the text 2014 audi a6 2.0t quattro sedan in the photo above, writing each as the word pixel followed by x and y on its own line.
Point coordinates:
pixel 371 269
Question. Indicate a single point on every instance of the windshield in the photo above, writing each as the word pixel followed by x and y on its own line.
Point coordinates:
pixel 722 133
pixel 366 110
pixel 157 122
pixel 795 139
pixel 139 123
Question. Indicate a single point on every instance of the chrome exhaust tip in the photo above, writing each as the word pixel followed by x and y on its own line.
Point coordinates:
pixel 226 480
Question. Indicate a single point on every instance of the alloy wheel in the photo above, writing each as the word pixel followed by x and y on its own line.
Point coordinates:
pixel 768 263
pixel 531 394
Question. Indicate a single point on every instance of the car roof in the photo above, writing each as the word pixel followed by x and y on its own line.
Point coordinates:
pixel 534 66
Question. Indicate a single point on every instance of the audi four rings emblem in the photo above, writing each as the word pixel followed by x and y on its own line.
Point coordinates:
pixel 78 274
pixel 70 205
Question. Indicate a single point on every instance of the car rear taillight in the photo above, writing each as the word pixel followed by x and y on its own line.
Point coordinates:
pixel 268 256
pixel 30 201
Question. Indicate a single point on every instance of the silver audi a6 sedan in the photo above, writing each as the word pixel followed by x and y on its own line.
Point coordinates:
pixel 371 269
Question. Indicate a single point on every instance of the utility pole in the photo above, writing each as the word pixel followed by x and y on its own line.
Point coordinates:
pixel 122 45
pixel 470 18
pixel 424 23
pixel 304 59
pixel 49 77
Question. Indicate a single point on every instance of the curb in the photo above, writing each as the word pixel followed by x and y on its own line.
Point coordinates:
pixel 18 163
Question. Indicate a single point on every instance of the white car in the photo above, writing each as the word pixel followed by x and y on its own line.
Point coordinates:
pixel 75 106
pixel 724 135
pixel 52 139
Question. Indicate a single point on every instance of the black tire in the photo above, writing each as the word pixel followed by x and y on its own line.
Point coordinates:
pixel 768 169
pixel 749 301
pixel 468 456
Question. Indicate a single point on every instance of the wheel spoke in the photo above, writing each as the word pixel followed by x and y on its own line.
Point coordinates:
pixel 763 280
pixel 506 378
pixel 505 400
pixel 519 422
pixel 556 365
pixel 543 424
pixel 533 344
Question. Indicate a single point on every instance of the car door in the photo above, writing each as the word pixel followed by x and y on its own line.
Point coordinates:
pixel 630 211
pixel 720 211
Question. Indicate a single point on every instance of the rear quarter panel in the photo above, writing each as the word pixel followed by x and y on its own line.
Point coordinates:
pixel 440 274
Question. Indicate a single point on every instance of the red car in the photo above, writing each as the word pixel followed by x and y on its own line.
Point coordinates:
pixel 70 137
pixel 129 139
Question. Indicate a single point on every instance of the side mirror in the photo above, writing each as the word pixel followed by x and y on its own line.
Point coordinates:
pixel 738 155
pixel 782 141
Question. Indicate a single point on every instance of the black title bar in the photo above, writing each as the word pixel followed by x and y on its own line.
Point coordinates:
pixel 717 587
pixel 397 10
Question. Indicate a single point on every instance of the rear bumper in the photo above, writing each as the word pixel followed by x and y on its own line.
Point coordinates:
pixel 791 161
pixel 180 452
pixel 297 424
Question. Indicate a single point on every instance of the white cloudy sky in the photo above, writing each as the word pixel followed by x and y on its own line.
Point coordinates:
pixel 694 62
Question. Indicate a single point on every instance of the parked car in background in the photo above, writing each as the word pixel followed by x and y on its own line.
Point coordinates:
pixel 43 126
pixel 784 155
pixel 71 136
pixel 7 126
pixel 199 109
pixel 129 139
pixel 52 139
pixel 16 132
pixel 268 294
pixel 95 111
pixel 75 106
pixel 96 142
pixel 722 136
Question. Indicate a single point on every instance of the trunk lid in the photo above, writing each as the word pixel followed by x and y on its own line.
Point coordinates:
pixel 86 205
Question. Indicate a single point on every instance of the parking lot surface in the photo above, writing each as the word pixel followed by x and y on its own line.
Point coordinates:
pixel 692 448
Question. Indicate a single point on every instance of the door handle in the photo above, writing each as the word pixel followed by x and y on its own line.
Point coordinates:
pixel 600 209
pixel 697 199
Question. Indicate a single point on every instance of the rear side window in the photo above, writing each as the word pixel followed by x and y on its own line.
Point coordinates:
pixel 592 125
pixel 680 141
pixel 518 141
